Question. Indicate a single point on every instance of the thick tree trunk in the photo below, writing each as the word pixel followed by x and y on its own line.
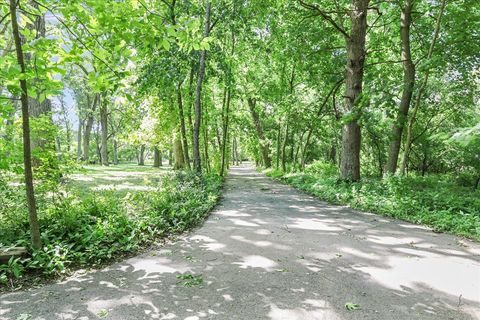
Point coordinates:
pixel 182 125
pixel 141 155
pixel 157 158
pixel 178 153
pixel 27 155
pixel 421 90
pixel 198 96
pixel 88 129
pixel 104 125
pixel 408 85
pixel 351 134
pixel 264 145
pixel 79 139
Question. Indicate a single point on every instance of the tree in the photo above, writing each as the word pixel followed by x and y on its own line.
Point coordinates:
pixel 27 153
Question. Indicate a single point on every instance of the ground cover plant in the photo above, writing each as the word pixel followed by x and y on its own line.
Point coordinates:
pixel 88 229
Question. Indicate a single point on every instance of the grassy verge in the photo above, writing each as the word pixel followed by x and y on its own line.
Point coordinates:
pixel 434 201
pixel 88 229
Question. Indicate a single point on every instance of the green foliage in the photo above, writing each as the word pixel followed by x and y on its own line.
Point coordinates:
pixel 350 306
pixel 190 280
pixel 92 229
pixel 434 200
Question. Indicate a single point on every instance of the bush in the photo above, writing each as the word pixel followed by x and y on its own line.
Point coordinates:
pixel 94 229
pixel 322 168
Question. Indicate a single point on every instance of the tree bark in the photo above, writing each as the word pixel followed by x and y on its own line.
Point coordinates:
pixel 27 155
pixel 264 145
pixel 104 125
pixel 115 152
pixel 225 132
pixel 421 90
pixel 178 153
pixel 284 149
pixel 198 96
pixel 141 155
pixel 157 158
pixel 79 139
pixel 183 129
pixel 88 129
pixel 351 134
pixel 408 85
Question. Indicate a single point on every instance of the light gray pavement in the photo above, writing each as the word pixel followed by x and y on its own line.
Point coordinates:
pixel 271 252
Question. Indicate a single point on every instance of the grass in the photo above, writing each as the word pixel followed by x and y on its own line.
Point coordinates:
pixel 435 201
pixel 123 178
pixel 100 214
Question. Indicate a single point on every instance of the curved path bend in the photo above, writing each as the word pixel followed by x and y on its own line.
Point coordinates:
pixel 271 252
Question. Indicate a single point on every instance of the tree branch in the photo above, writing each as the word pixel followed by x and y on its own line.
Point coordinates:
pixel 325 16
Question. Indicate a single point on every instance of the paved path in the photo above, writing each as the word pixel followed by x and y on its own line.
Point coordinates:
pixel 270 252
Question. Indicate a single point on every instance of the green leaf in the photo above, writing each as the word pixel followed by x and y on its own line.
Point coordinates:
pixel 350 306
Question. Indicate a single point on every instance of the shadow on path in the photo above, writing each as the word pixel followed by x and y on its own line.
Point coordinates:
pixel 271 252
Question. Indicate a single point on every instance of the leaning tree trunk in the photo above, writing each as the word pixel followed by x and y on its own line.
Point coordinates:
pixel 104 125
pixel 421 90
pixel 408 85
pixel 264 145
pixel 197 164
pixel 351 134
pixel 27 154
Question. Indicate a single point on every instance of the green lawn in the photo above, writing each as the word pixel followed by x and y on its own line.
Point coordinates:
pixel 123 178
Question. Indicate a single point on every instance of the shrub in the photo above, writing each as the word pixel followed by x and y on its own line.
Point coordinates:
pixel 90 230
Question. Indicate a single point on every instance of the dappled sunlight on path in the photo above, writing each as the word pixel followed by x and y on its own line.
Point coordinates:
pixel 270 252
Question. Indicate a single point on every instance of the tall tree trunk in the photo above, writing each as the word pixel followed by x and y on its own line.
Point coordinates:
pixel 79 139
pixel 305 150
pixel 97 143
pixel 351 134
pixel 284 149
pixel 88 128
pixel 178 153
pixel 408 85
pixel 27 155
pixel 279 138
pixel 104 125
pixel 170 157
pixel 190 104
pixel 198 96
pixel 234 142
pixel 115 152
pixel 157 158
pixel 183 129
pixel 225 132
pixel 421 90
pixel 264 145
pixel 141 155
